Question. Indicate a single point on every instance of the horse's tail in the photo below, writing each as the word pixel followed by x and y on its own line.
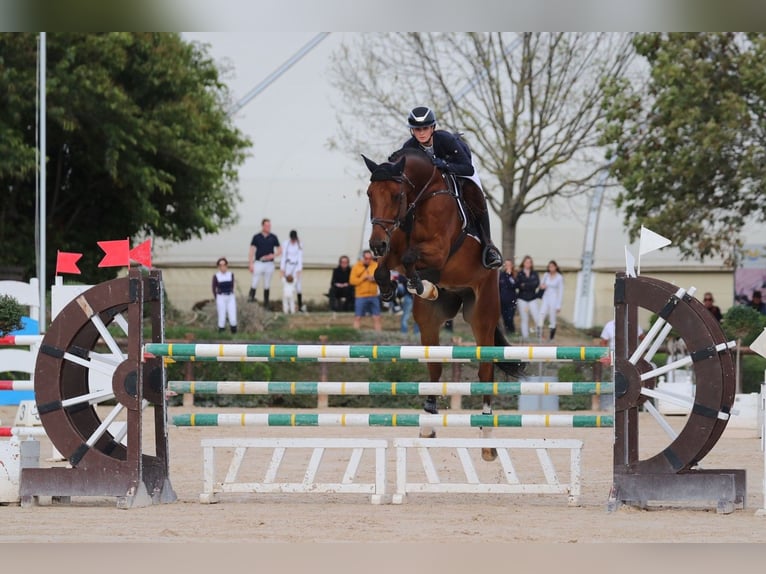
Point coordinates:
pixel 511 368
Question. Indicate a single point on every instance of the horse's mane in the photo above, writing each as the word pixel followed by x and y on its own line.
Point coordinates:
pixel 407 151
pixel 387 172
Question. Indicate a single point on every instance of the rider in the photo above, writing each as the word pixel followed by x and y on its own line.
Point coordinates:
pixel 449 156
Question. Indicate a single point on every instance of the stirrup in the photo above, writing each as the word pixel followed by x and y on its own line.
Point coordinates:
pixel 491 258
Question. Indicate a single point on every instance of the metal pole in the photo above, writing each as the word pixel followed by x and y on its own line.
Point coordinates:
pixel 43 156
pixel 277 73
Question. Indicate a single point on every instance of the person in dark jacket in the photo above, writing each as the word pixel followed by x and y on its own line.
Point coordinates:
pixel 341 291
pixel 710 305
pixel 528 283
pixel 508 295
pixel 453 156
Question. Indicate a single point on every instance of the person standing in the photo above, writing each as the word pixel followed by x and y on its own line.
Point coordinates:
pixel 609 334
pixel 223 293
pixel 508 295
pixel 707 301
pixel 366 298
pixel 528 282
pixel 291 265
pixel 552 286
pixel 264 248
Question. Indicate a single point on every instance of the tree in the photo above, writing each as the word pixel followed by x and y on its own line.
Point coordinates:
pixel 529 105
pixel 138 143
pixel 688 146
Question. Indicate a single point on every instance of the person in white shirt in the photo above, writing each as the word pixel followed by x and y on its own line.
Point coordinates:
pixel 608 334
pixel 552 285
pixel 291 266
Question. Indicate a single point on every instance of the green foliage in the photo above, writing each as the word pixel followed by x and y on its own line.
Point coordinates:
pixel 743 323
pixel 752 373
pixel 688 147
pixel 11 313
pixel 138 143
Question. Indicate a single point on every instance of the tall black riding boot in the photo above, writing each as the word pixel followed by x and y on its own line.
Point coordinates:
pixel 553 333
pixel 300 301
pixel 251 296
pixel 266 298
pixel 491 257
pixel 233 329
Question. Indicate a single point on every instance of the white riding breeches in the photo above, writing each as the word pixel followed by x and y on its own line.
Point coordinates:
pixel 227 307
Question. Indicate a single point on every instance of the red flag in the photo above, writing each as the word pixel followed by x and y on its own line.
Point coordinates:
pixel 67 262
pixel 116 253
pixel 142 253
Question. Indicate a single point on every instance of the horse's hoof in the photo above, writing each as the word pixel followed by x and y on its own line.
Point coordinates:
pixel 430 406
pixel 432 434
pixel 489 454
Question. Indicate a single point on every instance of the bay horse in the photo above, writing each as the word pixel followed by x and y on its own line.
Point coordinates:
pixel 418 229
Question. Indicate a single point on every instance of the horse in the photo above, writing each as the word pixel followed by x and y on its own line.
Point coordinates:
pixel 420 229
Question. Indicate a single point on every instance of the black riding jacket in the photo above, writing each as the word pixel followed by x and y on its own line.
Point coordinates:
pixel 447 147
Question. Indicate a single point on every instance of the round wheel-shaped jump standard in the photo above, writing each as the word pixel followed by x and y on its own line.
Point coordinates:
pixel 708 354
pixel 81 366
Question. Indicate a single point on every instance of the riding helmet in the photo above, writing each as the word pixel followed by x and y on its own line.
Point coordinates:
pixel 421 117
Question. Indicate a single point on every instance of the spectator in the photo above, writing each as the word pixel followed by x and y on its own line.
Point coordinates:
pixel 707 301
pixel 608 334
pixel 407 301
pixel 552 286
pixel 366 299
pixel 264 247
pixel 508 295
pixel 223 293
pixel 341 291
pixel 291 265
pixel 756 302
pixel 528 282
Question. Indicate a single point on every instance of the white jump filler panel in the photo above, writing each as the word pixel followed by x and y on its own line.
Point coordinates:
pixel 513 485
pixel 270 482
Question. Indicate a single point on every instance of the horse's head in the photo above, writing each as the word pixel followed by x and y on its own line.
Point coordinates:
pixel 393 185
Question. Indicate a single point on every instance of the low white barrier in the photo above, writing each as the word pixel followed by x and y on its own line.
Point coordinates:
pixel 513 485
pixel 274 477
pixel 309 484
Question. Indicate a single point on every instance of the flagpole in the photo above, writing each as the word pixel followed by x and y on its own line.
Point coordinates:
pixel 43 188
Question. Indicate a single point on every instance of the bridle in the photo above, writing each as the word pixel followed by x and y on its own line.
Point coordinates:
pixel 405 213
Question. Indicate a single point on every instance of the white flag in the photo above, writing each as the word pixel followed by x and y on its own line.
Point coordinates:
pixel 651 241
pixel 759 345
pixel 630 263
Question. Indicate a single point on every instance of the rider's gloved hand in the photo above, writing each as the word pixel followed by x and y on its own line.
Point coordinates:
pixel 441 164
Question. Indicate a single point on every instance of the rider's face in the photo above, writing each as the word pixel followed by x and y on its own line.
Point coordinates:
pixel 423 135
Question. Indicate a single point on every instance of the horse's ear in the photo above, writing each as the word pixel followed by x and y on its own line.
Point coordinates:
pixel 398 167
pixel 371 165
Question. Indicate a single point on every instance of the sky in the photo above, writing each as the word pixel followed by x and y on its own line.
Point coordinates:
pixel 291 177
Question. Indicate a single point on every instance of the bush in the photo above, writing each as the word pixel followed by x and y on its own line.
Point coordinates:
pixel 11 313
pixel 743 323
